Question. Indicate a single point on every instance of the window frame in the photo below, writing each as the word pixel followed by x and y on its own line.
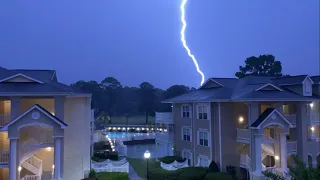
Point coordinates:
pixel 201 113
pixel 183 135
pixel 186 114
pixel 207 137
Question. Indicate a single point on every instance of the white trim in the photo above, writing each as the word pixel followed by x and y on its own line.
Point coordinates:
pixel 208 134
pixel 203 105
pixel 190 153
pixel 211 79
pixel 269 84
pixel 274 111
pixel 204 157
pixel 308 77
pixel 29 110
pixel 181 110
pixel 20 74
pixel 182 135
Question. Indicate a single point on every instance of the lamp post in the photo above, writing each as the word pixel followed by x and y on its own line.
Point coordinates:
pixel 147 156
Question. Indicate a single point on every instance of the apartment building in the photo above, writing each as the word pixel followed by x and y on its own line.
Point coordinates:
pixel 45 127
pixel 255 122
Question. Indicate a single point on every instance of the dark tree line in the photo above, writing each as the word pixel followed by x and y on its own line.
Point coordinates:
pixel 111 97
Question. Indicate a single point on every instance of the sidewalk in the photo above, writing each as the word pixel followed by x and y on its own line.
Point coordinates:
pixel 132 174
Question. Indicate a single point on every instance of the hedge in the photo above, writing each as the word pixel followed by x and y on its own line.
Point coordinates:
pixel 188 173
pixel 171 159
pixel 218 176
pixel 113 176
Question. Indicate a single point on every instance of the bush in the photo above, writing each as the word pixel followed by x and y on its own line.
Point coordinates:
pixel 232 171
pixel 171 159
pixel 101 145
pixel 92 174
pixel 113 176
pixel 218 176
pixel 193 173
pixel 113 156
pixel 213 167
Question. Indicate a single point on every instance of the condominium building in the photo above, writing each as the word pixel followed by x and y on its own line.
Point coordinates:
pixel 256 122
pixel 45 127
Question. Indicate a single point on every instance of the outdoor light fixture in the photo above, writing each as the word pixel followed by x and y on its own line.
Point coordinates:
pixel 128 128
pixel 48 148
pixel 19 168
pixel 311 105
pixel 312 128
pixel 119 128
pixel 138 129
pixel 53 166
pixel 114 128
pixel 147 156
pixel 142 129
pixel 276 157
pixel 241 119
pixel 109 128
pixel 123 128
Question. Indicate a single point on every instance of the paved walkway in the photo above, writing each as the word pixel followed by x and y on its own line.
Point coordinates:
pixel 132 174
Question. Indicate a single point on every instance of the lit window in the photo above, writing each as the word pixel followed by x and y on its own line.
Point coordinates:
pixel 202 112
pixel 203 138
pixel 186 134
pixel 185 111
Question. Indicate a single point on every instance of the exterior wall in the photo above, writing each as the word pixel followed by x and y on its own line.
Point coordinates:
pixel 47 156
pixel 19 79
pixel 179 123
pixel 4 173
pixel 4 141
pixel 76 137
pixel 1 107
pixel 27 103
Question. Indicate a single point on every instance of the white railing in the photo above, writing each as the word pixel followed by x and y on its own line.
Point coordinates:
pixel 269 149
pixel 174 165
pixel 292 146
pixel 315 118
pixel 4 156
pixel 31 177
pixel 243 134
pixel 111 166
pixel 268 138
pixel 34 165
pixel 292 118
pixel 164 117
pixel 165 136
pixel 245 160
pixel 4 119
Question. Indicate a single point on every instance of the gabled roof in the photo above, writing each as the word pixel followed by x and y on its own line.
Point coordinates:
pixel 20 75
pixel 269 84
pixel 265 115
pixel 290 80
pixel 43 111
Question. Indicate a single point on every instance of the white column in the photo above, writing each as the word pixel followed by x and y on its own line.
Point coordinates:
pixel 310 122
pixel 283 151
pixel 13 160
pixel 258 169
pixel 57 158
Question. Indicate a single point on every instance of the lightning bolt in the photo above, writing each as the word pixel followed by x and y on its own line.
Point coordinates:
pixel 183 39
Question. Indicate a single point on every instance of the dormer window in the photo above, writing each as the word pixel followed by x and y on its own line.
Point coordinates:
pixel 307 86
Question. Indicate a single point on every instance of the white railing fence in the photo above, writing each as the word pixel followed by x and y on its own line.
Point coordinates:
pixel 4 156
pixel 4 119
pixel 174 165
pixel 269 149
pixel 31 177
pixel 33 164
pixel 111 166
pixel 245 160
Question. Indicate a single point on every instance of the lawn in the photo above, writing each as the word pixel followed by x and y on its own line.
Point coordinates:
pixel 140 165
pixel 113 176
pixel 137 120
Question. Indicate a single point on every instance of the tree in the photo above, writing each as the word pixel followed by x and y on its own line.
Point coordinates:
pixel 104 117
pixel 176 90
pixel 147 103
pixel 111 88
pixel 264 65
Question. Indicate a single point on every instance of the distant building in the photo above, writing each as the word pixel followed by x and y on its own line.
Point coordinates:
pixel 45 126
pixel 255 122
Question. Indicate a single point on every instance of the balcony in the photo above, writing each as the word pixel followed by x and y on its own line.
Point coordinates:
pixel 4 157
pixel 164 117
pixel 165 136
pixel 4 119
pixel 315 118
pixel 292 118
pixel 292 147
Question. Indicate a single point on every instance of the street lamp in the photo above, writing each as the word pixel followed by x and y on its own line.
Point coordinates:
pixel 147 156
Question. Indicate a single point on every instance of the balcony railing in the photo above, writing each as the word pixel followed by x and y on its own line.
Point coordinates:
pixel 292 118
pixel 292 146
pixel 4 156
pixel 4 119
pixel 243 134
pixel 164 117
pixel 165 136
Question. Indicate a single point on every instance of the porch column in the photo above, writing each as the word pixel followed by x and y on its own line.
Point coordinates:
pixel 283 151
pixel 310 121
pixel 57 158
pixel 13 160
pixel 258 161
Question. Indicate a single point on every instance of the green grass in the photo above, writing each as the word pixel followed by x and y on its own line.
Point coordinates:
pixel 138 120
pixel 140 166
pixel 113 176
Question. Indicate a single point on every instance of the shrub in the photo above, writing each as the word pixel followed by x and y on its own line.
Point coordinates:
pixel 213 167
pixel 113 156
pixel 171 159
pixel 113 176
pixel 218 176
pixel 193 173
pixel 161 174
pixel 92 174
pixel 232 171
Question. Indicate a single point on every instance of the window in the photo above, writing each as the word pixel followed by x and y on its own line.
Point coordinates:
pixel 202 112
pixel 186 134
pixel 187 155
pixel 185 111
pixel 203 138
pixel 203 161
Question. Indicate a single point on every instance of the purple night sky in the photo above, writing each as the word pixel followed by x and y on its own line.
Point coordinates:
pixel 139 40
